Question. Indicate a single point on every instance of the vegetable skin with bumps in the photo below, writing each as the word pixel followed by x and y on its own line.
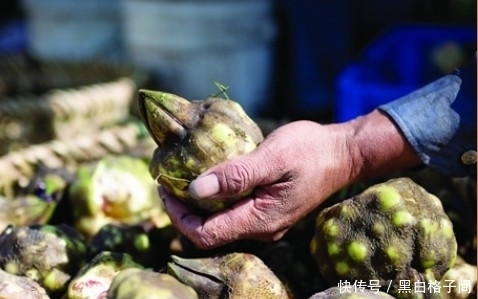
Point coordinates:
pixel 350 293
pixel 115 189
pixel 20 287
pixel 392 231
pixel 50 255
pixel 231 276
pixel 193 136
pixel 138 284
pixel 94 279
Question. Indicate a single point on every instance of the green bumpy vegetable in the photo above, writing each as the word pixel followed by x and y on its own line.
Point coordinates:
pixel 94 279
pixel 116 189
pixel 391 232
pixel 35 203
pixel 131 239
pixel 193 136
pixel 231 276
pixel 350 293
pixel 138 284
pixel 460 282
pixel 20 287
pixel 50 255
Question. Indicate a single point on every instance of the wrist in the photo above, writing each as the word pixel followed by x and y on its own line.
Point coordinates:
pixel 377 147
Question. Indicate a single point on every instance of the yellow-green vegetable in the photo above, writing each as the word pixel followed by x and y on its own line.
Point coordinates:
pixel 193 136
pixel 392 231
pixel 94 279
pixel 130 239
pixel 460 281
pixel 138 284
pixel 47 254
pixel 35 203
pixel 20 287
pixel 232 276
pixel 115 189
pixel 350 292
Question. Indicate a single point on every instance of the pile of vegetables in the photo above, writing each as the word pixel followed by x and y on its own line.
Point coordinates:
pixel 99 230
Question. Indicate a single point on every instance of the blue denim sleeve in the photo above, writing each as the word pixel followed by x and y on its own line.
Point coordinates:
pixel 439 122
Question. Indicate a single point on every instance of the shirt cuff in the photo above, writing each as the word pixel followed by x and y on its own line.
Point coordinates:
pixel 433 128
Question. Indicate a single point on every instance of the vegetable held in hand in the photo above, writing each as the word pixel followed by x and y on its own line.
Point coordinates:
pixel 193 136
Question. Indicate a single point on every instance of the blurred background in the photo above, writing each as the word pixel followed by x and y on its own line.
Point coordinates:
pixel 70 71
pixel 282 60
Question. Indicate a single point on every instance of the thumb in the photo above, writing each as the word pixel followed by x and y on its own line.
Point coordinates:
pixel 238 175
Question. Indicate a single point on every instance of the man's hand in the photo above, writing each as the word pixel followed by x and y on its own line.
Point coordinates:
pixel 291 172
pixel 296 168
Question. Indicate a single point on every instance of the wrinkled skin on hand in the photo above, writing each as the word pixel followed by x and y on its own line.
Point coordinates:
pixel 296 168
pixel 287 186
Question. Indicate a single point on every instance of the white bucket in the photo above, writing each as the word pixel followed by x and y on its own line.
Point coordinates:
pixel 190 44
pixel 79 30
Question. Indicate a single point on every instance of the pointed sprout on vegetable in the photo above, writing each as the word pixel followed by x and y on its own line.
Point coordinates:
pixel 193 136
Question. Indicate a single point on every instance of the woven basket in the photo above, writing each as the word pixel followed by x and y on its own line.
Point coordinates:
pixel 130 138
pixel 47 100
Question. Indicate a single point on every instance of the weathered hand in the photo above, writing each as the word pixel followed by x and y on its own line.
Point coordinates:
pixel 291 172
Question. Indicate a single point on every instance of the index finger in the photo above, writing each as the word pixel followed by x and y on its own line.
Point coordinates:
pixel 243 220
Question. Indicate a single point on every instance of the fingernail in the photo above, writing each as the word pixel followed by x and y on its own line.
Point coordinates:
pixel 205 186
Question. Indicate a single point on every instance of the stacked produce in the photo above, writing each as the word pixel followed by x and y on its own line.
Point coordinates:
pixel 83 219
pixel 49 255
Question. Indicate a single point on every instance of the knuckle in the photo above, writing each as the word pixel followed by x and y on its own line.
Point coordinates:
pixel 238 176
